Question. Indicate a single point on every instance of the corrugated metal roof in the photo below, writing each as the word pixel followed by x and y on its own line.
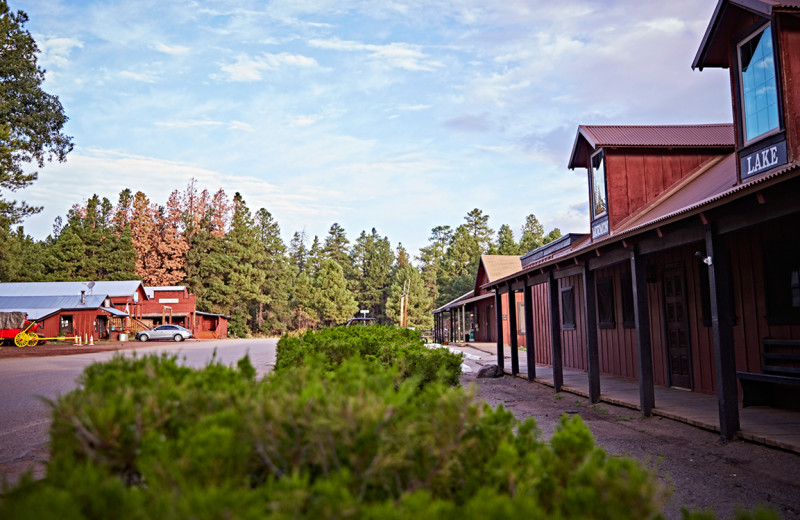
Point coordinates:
pixel 447 305
pixel 106 288
pixel 150 291
pixel 711 182
pixel 591 137
pixel 730 18
pixel 38 307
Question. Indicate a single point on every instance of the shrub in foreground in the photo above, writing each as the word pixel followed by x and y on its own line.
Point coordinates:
pixel 400 347
pixel 148 438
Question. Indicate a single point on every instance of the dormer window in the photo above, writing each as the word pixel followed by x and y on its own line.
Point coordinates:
pixel 597 182
pixel 759 93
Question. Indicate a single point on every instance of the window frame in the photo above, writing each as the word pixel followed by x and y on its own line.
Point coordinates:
pixel 606 318
pixel 66 318
pixel 595 216
pixel 628 301
pixel 565 324
pixel 520 317
pixel 740 86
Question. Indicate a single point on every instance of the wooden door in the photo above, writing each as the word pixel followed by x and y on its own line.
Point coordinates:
pixel 676 321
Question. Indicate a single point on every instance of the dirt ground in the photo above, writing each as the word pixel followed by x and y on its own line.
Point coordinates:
pixel 63 349
pixel 702 471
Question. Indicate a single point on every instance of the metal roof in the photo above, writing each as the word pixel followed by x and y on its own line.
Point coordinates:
pixel 730 19
pixel 711 182
pixel 150 291
pixel 551 247
pixel 38 307
pixel 591 137
pixel 106 288
pixel 451 303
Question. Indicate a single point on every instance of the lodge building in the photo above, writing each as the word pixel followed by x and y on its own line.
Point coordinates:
pixel 690 275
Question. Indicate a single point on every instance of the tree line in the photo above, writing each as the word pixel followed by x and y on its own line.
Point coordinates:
pixel 237 264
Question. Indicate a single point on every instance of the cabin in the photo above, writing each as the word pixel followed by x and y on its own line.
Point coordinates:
pixel 472 316
pixel 690 276
pixel 125 305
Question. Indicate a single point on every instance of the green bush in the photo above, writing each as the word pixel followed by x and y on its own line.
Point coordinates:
pixel 326 349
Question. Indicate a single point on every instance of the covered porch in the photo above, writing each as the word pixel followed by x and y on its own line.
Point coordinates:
pixel 762 424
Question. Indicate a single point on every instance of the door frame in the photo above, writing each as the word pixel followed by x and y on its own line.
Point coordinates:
pixel 681 267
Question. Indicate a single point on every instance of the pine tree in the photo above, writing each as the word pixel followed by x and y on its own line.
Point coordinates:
pixel 273 314
pixel 532 234
pixel 336 246
pixel 478 227
pixel 314 258
pixel 23 261
pixel 505 242
pixel 297 251
pixel 169 244
pixel 372 259
pixel 333 302
pixel 243 256
pixel 420 304
pixel 143 223
pixel 555 234
pixel 304 313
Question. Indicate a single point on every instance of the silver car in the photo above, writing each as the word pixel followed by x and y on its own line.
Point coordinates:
pixel 173 332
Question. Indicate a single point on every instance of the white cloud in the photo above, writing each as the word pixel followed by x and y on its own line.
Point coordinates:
pixel 144 77
pixel 394 55
pixel 247 68
pixel 169 49
pixel 56 51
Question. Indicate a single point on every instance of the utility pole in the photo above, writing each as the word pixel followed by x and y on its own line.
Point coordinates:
pixel 404 304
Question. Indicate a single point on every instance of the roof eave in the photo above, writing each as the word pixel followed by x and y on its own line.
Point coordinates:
pixel 720 17
pixel 577 148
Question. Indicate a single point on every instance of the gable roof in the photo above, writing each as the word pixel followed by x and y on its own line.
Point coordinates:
pixel 730 19
pixel 38 307
pixel 591 137
pixel 106 288
pixel 498 266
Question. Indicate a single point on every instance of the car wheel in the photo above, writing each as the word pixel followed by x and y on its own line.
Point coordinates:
pixel 177 337
pixel 143 338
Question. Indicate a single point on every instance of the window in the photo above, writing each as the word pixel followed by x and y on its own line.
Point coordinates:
pixel 521 317
pixel 782 281
pixel 759 93
pixel 626 290
pixel 605 303
pixel 65 325
pixel 567 308
pixel 597 181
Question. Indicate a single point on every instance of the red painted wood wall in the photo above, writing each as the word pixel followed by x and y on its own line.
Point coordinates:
pixel 789 42
pixel 573 342
pixel 637 177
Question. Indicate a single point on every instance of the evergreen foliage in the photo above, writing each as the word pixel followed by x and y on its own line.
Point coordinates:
pixel 362 438
pixel 420 304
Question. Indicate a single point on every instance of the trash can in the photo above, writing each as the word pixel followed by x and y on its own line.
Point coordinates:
pixel 472 335
pixel 123 336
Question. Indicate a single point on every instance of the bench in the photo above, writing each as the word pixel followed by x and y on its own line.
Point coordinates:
pixel 778 384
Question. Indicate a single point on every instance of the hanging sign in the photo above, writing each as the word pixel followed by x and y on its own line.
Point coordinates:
pixel 763 159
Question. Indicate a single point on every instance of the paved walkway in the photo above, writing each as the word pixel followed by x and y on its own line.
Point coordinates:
pixel 762 424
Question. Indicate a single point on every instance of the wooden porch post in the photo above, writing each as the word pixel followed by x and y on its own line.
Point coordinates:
pixel 592 349
pixel 555 334
pixel 498 304
pixel 722 329
pixel 529 344
pixel 641 313
pixel 512 328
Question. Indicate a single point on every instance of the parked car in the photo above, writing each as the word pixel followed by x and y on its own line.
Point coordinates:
pixel 173 332
pixel 361 321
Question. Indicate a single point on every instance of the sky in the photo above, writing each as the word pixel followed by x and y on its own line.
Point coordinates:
pixel 398 115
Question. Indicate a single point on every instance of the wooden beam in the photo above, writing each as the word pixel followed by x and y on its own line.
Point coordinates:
pixel 782 202
pixel 592 349
pixel 722 331
pixel 512 330
pixel 529 341
pixel 641 313
pixel 680 237
pixel 659 232
pixel 703 218
pixel 518 285
pixel 498 304
pixel 760 197
pixel 536 279
pixel 614 256
pixel 555 334
pixel 597 252
pixel 569 271
pixel 501 289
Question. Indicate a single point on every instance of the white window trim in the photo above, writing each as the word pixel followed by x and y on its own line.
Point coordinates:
pixel 592 216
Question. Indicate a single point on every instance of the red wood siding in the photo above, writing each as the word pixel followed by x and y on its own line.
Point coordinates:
pixel 573 342
pixel 636 177
pixel 541 324
pixel 789 42
pixel 82 323
pixel 617 346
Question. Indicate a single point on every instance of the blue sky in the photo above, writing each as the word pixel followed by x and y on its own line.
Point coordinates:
pixel 400 115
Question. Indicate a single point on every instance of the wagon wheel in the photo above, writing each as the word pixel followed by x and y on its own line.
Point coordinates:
pixel 21 339
pixel 33 340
